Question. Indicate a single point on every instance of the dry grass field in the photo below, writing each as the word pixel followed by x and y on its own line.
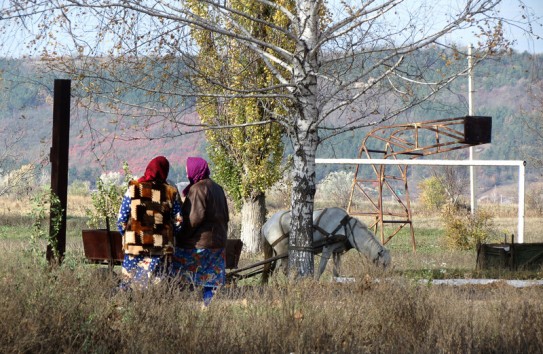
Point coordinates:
pixel 74 308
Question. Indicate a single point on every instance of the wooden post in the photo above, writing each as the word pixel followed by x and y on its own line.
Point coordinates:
pixel 59 163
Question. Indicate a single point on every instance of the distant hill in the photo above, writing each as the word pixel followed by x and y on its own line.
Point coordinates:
pixel 98 145
pixel 97 150
pixel 115 148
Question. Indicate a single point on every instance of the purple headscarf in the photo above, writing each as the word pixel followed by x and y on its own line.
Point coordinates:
pixel 197 170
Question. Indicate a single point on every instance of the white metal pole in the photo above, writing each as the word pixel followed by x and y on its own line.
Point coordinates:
pixel 421 162
pixel 472 181
pixel 521 206
pixel 521 178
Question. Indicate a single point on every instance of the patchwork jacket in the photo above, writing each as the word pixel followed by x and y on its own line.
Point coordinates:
pixel 149 217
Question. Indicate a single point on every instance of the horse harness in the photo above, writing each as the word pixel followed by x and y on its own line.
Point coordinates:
pixel 329 237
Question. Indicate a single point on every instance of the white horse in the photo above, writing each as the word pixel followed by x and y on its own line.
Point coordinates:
pixel 334 233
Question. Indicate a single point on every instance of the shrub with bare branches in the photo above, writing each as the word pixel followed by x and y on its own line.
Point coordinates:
pixel 335 189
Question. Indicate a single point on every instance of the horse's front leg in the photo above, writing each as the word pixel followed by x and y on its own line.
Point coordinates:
pixel 337 263
pixel 326 253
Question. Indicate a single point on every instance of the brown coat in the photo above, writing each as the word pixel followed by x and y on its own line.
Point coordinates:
pixel 205 217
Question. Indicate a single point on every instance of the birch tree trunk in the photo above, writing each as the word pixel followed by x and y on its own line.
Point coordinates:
pixel 301 260
pixel 253 215
pixel 304 136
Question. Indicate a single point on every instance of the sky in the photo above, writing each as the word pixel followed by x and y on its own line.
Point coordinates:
pixel 510 10
pixel 438 10
pixel 431 15
pixel 524 43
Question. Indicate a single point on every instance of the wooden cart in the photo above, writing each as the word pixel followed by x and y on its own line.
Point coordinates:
pixel 102 246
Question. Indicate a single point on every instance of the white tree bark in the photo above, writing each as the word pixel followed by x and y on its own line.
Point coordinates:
pixel 253 216
pixel 304 137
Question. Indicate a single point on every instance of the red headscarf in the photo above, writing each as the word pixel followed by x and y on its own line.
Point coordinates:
pixel 197 170
pixel 157 170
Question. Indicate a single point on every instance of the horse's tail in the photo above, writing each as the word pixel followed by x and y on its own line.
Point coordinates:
pixel 268 253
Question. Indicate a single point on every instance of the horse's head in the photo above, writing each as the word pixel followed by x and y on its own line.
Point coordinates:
pixel 383 258
pixel 365 242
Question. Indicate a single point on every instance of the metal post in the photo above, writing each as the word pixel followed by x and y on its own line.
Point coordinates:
pixel 59 164
pixel 521 206
pixel 472 172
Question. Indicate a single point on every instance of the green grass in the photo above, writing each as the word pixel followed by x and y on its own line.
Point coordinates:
pixel 75 308
pixel 14 232
pixel 433 258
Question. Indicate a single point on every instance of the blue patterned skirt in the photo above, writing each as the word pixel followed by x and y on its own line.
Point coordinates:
pixel 200 267
pixel 141 271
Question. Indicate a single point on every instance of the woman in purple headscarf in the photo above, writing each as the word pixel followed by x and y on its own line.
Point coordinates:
pixel 149 216
pixel 199 256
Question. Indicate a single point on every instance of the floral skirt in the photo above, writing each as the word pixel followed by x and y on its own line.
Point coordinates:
pixel 141 271
pixel 200 267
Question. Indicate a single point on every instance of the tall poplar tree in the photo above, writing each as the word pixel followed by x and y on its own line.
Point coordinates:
pixel 247 158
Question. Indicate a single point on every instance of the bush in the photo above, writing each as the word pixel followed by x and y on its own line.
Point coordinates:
pixel 18 182
pixel 79 188
pixel 107 199
pixel 534 200
pixel 278 196
pixel 464 230
pixel 433 194
pixel 47 216
pixel 335 189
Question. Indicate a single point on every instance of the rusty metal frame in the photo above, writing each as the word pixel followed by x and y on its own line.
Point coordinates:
pixel 407 141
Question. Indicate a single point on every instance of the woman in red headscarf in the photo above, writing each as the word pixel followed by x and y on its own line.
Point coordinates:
pixel 150 214
pixel 199 256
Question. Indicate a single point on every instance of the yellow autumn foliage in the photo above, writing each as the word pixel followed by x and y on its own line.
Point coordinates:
pixel 247 159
